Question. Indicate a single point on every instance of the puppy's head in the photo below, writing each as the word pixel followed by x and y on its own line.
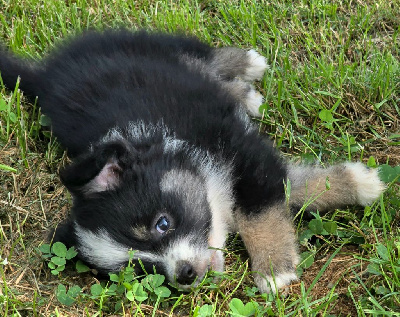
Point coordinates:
pixel 169 203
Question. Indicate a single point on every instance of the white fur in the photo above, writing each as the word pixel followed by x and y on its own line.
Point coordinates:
pixel 253 102
pixel 257 66
pixel 198 255
pixel 190 189
pixel 105 252
pixel 141 131
pixel 138 130
pixel 368 185
pixel 101 249
pixel 268 285
pixel 220 199
pixel 219 187
pixel 113 134
pixel 172 145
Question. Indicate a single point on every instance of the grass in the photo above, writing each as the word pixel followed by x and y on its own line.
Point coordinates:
pixel 332 94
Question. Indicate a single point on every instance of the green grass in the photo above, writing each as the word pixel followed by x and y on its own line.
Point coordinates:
pixel 332 94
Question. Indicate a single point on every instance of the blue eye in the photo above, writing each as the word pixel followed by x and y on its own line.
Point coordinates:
pixel 162 224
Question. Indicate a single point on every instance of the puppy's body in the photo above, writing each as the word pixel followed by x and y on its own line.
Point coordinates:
pixel 164 153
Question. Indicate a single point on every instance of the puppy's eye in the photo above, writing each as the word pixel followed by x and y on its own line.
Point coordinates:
pixel 162 224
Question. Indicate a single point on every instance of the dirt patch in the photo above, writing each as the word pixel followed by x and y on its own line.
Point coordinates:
pixel 338 277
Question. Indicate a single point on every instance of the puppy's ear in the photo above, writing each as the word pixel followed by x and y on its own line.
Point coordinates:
pixel 99 170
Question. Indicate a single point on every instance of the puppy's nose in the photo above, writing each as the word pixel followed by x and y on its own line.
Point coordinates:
pixel 185 273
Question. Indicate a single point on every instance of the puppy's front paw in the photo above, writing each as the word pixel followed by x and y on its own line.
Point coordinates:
pixel 257 66
pixel 283 264
pixel 368 185
pixel 268 284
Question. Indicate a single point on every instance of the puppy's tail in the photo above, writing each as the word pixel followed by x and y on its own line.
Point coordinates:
pixel 12 67
pixel 337 186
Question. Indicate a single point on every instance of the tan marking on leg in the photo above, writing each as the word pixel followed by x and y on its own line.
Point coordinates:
pixel 271 242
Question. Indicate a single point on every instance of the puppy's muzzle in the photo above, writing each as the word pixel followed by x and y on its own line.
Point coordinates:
pixel 185 273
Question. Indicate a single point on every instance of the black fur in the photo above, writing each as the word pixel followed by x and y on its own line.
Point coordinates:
pixel 100 81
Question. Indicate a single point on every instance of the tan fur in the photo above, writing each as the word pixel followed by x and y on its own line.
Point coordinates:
pixel 141 233
pixel 269 235
pixel 322 189
pixel 270 241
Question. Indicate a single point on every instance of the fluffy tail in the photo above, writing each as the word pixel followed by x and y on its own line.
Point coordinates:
pixel 12 67
pixel 333 187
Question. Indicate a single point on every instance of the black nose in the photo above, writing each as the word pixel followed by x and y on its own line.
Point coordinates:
pixel 185 273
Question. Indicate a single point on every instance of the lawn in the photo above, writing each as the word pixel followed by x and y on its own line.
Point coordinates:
pixel 332 94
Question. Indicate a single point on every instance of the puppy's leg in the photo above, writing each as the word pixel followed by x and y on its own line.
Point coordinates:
pixel 333 187
pixel 231 62
pixel 271 243
pixel 245 94
pixel 235 68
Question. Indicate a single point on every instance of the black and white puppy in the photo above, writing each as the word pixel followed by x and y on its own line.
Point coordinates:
pixel 166 161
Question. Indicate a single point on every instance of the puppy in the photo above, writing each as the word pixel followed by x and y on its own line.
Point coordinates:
pixel 165 160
